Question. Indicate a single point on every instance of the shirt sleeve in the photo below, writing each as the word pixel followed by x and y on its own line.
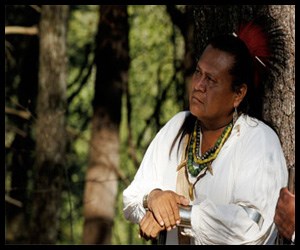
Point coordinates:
pixel 261 172
pixel 150 173
pixel 145 180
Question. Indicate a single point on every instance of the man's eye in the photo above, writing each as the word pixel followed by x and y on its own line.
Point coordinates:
pixel 211 79
pixel 197 71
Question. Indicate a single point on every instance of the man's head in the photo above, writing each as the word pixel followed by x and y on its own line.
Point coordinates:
pixel 221 79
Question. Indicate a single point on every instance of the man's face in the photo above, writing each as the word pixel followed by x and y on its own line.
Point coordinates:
pixel 211 97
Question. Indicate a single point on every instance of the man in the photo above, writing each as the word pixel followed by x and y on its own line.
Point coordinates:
pixel 215 158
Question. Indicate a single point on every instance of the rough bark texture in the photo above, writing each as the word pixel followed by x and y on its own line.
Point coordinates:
pixel 279 104
pixel 112 60
pixel 50 125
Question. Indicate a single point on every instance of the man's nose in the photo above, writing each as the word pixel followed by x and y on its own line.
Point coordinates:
pixel 200 84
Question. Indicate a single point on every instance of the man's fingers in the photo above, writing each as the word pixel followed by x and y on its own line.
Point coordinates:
pixel 184 201
pixel 166 214
pixel 158 216
pixel 176 216
pixel 164 205
pixel 180 199
pixel 149 228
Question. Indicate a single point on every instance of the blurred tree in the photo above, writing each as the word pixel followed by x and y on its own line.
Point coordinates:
pixel 21 80
pixel 112 61
pixel 50 126
pixel 156 49
pixel 184 20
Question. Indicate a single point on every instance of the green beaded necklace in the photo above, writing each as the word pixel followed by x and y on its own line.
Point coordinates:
pixel 206 159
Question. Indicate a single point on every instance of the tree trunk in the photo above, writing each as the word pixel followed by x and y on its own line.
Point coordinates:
pixel 279 104
pixel 112 60
pixel 50 125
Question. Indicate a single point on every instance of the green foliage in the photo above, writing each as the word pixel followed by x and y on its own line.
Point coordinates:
pixel 155 46
pixel 151 70
pixel 81 33
pixel 152 57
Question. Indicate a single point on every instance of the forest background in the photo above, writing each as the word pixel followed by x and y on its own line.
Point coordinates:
pixel 87 87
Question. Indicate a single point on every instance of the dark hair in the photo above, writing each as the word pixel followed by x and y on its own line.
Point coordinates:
pixel 242 68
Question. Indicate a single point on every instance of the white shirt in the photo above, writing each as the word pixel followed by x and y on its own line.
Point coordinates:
pixel 249 170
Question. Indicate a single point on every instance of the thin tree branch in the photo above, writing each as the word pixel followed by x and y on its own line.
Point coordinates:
pixel 84 63
pixel 178 18
pixel 23 114
pixel 36 8
pixel 13 201
pixel 131 146
pixel 159 101
pixel 82 83
pixel 20 30
pixel 16 130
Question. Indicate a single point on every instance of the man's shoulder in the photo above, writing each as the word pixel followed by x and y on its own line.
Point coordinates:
pixel 175 122
pixel 254 127
pixel 178 118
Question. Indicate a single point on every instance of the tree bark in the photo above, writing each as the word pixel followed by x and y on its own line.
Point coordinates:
pixel 112 61
pixel 50 125
pixel 279 103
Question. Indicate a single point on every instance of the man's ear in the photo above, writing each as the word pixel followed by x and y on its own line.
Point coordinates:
pixel 240 93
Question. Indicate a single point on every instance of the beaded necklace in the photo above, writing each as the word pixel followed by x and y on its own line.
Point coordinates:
pixel 204 161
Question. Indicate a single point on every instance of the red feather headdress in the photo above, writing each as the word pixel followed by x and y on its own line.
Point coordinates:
pixel 258 44
pixel 265 41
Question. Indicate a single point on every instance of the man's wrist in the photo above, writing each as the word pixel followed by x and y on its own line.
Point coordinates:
pixel 145 201
pixel 147 196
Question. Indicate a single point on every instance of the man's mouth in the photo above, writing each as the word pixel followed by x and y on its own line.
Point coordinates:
pixel 195 98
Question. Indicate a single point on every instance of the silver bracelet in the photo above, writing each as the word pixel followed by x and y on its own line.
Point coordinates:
pixel 185 213
pixel 145 201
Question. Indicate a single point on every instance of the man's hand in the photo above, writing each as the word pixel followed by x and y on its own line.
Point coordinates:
pixel 149 228
pixel 285 214
pixel 164 205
